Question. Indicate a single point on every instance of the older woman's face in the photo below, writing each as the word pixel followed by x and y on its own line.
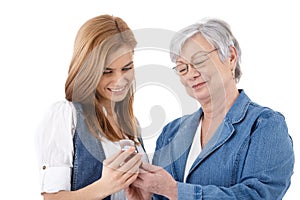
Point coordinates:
pixel 211 77
pixel 117 76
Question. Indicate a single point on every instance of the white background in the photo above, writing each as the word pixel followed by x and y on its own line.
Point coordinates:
pixel 36 41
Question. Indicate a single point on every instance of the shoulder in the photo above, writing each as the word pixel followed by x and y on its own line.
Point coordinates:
pixel 61 106
pixel 271 118
pixel 270 136
pixel 57 127
pixel 60 112
pixel 246 110
pixel 268 125
pixel 185 119
pixel 172 128
pixel 265 113
pixel 176 123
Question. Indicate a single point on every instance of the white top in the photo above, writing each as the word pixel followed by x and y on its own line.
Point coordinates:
pixel 54 145
pixel 194 151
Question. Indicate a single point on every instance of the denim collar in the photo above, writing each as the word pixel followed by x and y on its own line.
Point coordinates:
pixel 235 114
pixel 238 110
pixel 189 126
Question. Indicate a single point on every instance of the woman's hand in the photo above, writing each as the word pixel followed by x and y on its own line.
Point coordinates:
pixel 134 193
pixel 156 180
pixel 120 170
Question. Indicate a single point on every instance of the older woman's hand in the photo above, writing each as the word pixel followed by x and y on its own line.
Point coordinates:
pixel 156 180
pixel 134 193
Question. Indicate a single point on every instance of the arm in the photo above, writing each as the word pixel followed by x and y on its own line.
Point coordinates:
pixel 117 174
pixel 54 144
pixel 265 171
pixel 89 192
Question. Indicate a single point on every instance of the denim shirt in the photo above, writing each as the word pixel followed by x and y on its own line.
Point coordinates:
pixel 250 156
pixel 88 155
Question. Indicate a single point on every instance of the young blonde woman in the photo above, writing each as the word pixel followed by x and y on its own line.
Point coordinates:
pixel 78 140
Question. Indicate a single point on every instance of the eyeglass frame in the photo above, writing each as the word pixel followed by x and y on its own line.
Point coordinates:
pixel 190 64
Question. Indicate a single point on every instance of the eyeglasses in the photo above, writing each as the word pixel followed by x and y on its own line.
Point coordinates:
pixel 183 68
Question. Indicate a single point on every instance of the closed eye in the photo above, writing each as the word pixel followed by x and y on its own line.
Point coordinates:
pixel 199 64
pixel 128 66
pixel 107 71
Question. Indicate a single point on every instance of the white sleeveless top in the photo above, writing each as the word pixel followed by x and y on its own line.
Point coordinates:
pixel 194 151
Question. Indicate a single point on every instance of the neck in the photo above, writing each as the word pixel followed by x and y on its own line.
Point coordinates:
pixel 109 108
pixel 112 117
pixel 218 105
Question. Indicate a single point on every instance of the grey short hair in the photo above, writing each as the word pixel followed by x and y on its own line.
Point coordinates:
pixel 217 32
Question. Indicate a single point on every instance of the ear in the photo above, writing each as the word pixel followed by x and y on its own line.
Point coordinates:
pixel 233 57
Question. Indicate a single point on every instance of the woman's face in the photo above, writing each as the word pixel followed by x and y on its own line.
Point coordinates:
pixel 117 76
pixel 212 76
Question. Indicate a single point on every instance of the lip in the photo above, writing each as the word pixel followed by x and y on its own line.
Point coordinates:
pixel 198 85
pixel 118 89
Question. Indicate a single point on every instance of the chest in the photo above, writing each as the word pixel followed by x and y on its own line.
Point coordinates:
pixel 222 166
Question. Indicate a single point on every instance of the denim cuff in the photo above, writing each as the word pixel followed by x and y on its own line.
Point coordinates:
pixel 188 191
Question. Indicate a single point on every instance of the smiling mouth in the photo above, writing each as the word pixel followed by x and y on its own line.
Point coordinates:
pixel 117 89
pixel 198 85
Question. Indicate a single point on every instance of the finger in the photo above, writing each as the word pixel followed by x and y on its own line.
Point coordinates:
pixel 130 178
pixel 150 168
pixel 145 175
pixel 134 162
pixel 141 170
pixel 110 159
pixel 121 158
pixel 134 171
pixel 133 158
pixel 138 183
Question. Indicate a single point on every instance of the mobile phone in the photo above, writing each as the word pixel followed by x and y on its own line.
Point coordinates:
pixel 126 144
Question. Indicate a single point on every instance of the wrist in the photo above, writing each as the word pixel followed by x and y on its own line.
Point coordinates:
pixel 173 191
pixel 100 189
pixel 94 191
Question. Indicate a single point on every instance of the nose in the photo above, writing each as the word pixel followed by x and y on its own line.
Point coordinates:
pixel 193 73
pixel 118 76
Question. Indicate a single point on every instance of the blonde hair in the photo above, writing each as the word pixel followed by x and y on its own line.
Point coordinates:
pixel 95 41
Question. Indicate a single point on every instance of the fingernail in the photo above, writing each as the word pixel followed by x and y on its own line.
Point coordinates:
pixel 132 148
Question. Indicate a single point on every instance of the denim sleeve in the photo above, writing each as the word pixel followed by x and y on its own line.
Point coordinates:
pixel 188 191
pixel 269 163
pixel 266 168
pixel 185 192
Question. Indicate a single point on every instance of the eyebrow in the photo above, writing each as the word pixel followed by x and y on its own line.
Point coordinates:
pixel 182 62
pixel 128 64
pixel 195 54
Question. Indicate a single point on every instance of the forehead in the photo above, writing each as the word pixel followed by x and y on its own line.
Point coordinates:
pixel 195 44
pixel 120 56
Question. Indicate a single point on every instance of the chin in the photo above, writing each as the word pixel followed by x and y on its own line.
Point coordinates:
pixel 118 98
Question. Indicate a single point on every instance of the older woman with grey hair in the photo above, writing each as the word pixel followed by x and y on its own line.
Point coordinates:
pixel 231 148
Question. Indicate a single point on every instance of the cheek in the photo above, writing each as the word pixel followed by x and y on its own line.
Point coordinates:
pixel 129 76
pixel 186 86
pixel 102 83
pixel 183 81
